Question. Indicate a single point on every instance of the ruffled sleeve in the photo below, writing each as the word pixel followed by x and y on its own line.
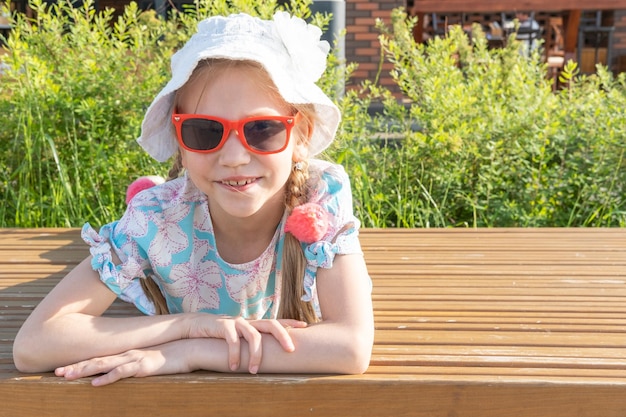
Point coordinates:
pixel 118 255
pixel 102 246
pixel 332 191
pixel 156 226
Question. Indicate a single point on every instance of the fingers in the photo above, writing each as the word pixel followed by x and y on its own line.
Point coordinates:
pixel 280 330
pixel 255 347
pixel 250 331
pixel 232 330
pixel 84 369
pixel 114 368
pixel 123 371
pixel 290 323
pixel 231 335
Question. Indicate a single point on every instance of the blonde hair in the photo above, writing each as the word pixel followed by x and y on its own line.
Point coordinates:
pixel 296 192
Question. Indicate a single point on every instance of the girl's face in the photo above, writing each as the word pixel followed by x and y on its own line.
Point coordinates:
pixel 240 184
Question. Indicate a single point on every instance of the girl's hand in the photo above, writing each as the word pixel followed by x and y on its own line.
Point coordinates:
pixel 173 357
pixel 232 329
pixel 169 358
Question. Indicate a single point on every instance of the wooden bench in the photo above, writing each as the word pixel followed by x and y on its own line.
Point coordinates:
pixel 478 323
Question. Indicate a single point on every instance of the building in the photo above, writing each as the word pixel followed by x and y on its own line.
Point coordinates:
pixel 361 43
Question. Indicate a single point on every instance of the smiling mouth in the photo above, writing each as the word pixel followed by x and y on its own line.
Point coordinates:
pixel 238 183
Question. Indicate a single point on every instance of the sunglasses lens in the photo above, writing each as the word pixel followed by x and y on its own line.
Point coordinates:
pixel 202 134
pixel 265 135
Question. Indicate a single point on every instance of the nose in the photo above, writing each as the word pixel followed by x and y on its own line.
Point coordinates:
pixel 234 153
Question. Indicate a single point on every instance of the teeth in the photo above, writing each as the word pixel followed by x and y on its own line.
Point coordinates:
pixel 237 183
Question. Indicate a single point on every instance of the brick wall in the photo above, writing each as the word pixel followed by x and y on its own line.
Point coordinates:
pixel 361 43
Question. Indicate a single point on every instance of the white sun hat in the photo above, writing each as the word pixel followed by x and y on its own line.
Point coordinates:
pixel 288 48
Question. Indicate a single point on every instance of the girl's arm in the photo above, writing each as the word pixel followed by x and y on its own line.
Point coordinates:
pixel 342 343
pixel 67 327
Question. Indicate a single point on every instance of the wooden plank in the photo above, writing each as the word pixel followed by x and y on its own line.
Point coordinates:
pixel 424 395
pixel 469 322
pixel 590 355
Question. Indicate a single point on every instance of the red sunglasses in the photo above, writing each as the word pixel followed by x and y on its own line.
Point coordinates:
pixel 259 134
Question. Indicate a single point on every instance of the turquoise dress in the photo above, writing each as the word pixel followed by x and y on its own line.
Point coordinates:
pixel 167 235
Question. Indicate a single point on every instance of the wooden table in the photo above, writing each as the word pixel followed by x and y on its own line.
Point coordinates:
pixel 572 10
pixel 469 323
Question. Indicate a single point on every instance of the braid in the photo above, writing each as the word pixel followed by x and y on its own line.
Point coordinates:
pixel 149 285
pixel 296 192
pixel 176 168
pixel 294 262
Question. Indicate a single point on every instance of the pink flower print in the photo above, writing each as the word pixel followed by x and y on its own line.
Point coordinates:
pixel 129 249
pixel 278 279
pixel 247 284
pixel 197 284
pixel 144 200
pixel 132 266
pixel 130 269
pixel 134 222
pixel 242 286
pixel 170 191
pixel 201 219
pixel 170 239
pixel 201 248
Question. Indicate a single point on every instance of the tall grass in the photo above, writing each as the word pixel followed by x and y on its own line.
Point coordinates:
pixel 72 97
pixel 482 140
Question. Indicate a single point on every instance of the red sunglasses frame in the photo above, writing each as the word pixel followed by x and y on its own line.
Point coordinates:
pixel 230 125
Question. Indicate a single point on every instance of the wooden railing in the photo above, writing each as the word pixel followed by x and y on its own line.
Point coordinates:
pixel 473 323
pixel 571 9
pixel 511 5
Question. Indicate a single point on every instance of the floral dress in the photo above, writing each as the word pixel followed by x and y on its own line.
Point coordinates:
pixel 166 235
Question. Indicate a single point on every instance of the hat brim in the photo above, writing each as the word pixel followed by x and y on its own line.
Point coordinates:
pixel 158 136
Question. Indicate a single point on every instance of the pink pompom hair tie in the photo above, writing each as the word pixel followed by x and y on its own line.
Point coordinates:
pixel 308 222
pixel 142 183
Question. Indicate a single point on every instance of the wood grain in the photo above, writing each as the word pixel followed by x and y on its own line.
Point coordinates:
pixel 469 322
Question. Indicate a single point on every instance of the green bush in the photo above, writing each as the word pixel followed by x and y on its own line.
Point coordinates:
pixel 74 88
pixel 71 99
pixel 495 146
pixel 481 141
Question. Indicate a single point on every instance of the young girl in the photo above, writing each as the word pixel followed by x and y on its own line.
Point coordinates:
pixel 249 259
